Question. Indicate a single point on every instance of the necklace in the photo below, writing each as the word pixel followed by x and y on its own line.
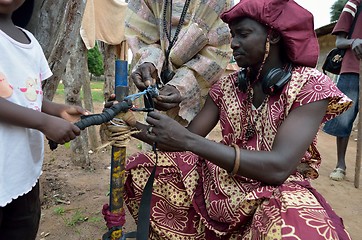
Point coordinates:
pixel 250 121
pixel 166 74
pixel 253 121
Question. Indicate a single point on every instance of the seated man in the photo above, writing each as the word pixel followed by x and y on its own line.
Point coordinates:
pixel 255 183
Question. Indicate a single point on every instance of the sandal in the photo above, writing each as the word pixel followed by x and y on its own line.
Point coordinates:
pixel 338 174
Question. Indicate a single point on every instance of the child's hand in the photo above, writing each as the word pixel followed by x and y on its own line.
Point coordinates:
pixel 73 113
pixel 59 130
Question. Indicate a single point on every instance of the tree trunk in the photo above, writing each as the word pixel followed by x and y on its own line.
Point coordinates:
pixel 46 22
pixel 76 72
pixel 57 27
pixel 108 52
pixel 88 104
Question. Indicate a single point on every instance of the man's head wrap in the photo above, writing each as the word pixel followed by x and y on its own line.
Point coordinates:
pixel 293 22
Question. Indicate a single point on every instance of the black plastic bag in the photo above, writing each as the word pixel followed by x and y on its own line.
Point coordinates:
pixel 333 61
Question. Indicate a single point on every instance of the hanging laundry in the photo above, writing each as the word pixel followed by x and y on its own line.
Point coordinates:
pixel 103 21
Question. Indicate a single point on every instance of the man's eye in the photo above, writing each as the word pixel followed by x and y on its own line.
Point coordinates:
pixel 243 35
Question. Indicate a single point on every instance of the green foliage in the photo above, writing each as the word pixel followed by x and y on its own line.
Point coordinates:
pixel 95 61
pixel 76 218
pixel 59 211
pixel 336 9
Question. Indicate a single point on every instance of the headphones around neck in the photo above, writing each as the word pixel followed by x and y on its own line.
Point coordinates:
pixel 272 82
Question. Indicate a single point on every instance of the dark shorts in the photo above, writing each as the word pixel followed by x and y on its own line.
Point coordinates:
pixel 341 126
pixel 19 220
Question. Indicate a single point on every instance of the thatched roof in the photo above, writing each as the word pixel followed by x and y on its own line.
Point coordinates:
pixel 326 29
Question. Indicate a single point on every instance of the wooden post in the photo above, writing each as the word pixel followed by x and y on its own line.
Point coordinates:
pixel 359 136
pixel 118 157
pixel 118 153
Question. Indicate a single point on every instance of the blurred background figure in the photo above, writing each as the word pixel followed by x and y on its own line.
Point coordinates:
pixel 348 81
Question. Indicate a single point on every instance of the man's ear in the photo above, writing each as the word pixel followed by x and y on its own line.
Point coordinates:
pixel 274 37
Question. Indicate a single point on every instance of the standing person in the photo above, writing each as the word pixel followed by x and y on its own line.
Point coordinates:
pixel 255 183
pixel 348 82
pixel 181 44
pixel 24 117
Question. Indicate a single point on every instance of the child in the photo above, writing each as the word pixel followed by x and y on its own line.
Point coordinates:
pixel 24 117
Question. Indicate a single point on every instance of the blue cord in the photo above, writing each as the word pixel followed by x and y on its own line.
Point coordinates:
pixel 152 90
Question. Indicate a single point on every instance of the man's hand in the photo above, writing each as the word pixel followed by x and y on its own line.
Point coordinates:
pixel 144 76
pixel 111 101
pixel 169 98
pixel 357 48
pixel 166 132
pixel 129 118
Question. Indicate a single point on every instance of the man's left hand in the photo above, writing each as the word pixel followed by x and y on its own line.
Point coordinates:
pixel 169 97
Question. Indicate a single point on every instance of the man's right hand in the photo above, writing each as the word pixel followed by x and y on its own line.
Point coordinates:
pixel 144 76
pixel 357 48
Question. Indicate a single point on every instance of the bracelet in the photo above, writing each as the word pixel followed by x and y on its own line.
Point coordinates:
pixel 237 160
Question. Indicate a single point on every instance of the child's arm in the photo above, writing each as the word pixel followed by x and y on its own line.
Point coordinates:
pixel 67 112
pixel 54 128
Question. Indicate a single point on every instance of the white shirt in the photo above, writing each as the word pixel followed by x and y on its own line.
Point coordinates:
pixel 22 68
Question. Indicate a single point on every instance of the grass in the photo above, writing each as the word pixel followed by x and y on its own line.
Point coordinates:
pixel 96 88
pixel 76 217
pixel 59 211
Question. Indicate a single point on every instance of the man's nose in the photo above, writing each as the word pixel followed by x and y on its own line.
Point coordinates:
pixel 234 43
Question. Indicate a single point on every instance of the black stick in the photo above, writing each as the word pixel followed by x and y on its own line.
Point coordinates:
pixel 97 119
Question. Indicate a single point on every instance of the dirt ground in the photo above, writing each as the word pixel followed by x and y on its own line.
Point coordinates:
pixel 73 197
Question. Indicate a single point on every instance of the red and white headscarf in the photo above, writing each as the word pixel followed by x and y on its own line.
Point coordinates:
pixel 292 21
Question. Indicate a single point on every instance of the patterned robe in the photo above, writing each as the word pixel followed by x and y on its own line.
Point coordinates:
pixel 199 56
pixel 195 199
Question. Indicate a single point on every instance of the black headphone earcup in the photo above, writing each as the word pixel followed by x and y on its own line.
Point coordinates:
pixel 275 80
pixel 242 80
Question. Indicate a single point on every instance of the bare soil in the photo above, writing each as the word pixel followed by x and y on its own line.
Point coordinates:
pixel 72 197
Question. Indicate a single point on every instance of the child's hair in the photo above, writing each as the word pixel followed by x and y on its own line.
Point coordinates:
pixel 22 15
